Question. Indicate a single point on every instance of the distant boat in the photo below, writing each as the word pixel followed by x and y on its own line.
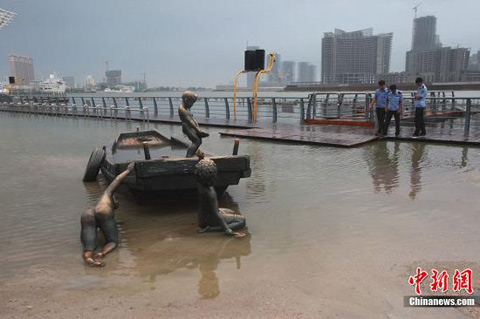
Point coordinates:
pixel 52 85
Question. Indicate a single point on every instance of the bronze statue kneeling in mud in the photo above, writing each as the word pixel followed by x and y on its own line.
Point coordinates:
pixel 210 216
pixel 102 217
pixel 189 126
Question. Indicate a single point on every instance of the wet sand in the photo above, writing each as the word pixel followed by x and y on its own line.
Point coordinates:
pixel 333 233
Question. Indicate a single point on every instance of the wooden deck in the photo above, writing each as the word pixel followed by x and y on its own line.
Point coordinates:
pixel 352 136
pixel 336 136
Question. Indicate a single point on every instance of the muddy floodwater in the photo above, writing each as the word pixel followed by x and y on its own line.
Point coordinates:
pixel 332 233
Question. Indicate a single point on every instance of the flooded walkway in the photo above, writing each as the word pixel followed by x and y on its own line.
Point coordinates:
pixel 442 129
pixel 351 136
pixel 333 232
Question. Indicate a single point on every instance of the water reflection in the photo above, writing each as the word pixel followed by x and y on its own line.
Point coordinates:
pixel 255 185
pixel 418 157
pixel 161 238
pixel 165 255
pixel 383 166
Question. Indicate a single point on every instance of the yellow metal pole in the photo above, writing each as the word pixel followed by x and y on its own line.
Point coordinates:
pixel 271 61
pixel 235 93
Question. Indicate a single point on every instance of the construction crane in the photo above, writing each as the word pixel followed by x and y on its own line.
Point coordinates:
pixel 416 8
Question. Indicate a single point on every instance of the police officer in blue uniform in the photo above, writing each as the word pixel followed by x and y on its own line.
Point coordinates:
pixel 420 106
pixel 394 108
pixel 380 100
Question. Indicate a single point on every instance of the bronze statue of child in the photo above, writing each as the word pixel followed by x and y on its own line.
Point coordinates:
pixel 189 126
pixel 102 217
pixel 210 216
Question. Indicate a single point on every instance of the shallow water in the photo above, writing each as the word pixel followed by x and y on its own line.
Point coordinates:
pixel 324 223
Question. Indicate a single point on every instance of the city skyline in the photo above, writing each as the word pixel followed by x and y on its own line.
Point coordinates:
pixel 214 45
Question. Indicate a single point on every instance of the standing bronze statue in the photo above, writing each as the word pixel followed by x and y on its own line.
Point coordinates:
pixel 189 126
pixel 210 216
pixel 102 217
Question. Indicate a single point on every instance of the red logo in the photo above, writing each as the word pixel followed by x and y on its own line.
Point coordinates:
pixel 461 280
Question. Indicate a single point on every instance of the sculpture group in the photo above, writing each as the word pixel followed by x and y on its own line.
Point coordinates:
pixel 210 217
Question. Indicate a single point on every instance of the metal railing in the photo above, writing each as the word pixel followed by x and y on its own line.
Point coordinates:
pixel 458 112
pixel 86 110
pixel 270 110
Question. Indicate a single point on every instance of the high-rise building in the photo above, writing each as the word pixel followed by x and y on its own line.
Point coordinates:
pixel 453 64
pixel 90 82
pixel 307 72
pixel 21 68
pixel 430 60
pixel 288 71
pixel 6 17
pixel 114 77
pixel 425 34
pixel 69 81
pixel 474 62
pixel 274 76
pixel 355 57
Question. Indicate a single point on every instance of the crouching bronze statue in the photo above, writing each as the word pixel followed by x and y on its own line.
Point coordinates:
pixel 210 216
pixel 102 217
pixel 189 126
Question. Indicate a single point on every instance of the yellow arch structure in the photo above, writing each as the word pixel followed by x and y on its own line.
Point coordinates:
pixel 271 62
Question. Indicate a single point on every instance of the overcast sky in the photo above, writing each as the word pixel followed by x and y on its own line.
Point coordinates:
pixel 201 43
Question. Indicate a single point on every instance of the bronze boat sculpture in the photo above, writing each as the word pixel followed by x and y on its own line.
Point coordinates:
pixel 160 164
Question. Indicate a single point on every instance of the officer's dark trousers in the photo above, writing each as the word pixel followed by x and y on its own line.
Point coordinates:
pixel 419 122
pixel 388 118
pixel 381 120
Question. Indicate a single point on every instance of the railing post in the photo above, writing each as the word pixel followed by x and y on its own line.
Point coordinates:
pixel 127 113
pixel 227 109
pixel 115 102
pixel 339 104
pixel 104 106
pixel 354 105
pixel 207 108
pixel 275 112
pixel 250 113
pixel 126 102
pixel 302 110
pixel 155 107
pixel 170 102
pixel 57 106
pixel 367 106
pixel 309 107
pixel 468 112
